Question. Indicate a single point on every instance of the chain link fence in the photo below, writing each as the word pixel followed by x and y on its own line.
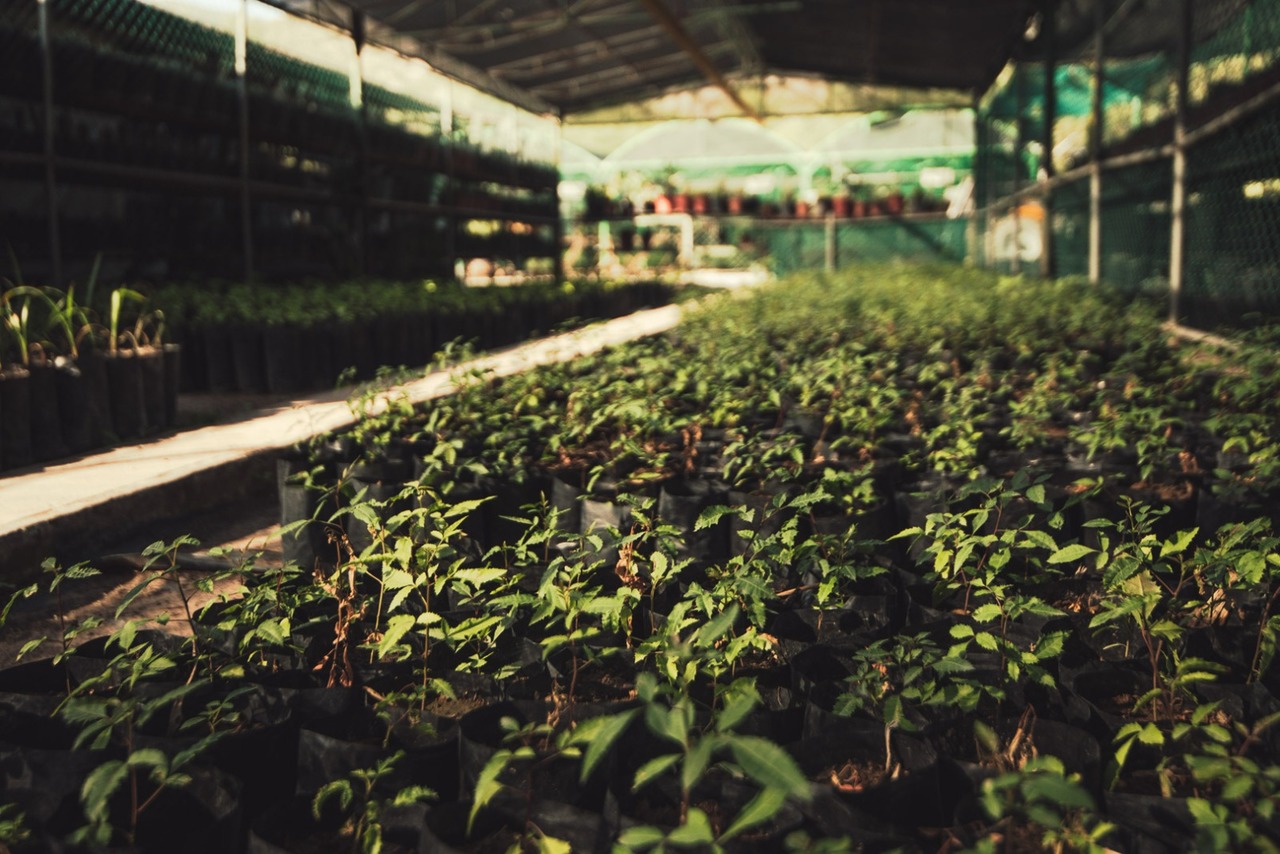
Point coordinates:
pixel 1086 157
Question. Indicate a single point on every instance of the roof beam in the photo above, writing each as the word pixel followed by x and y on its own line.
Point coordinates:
pixel 682 39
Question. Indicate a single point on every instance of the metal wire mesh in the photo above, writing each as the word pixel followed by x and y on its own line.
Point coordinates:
pixel 1232 254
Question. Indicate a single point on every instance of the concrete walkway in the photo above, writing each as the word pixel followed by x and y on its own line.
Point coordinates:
pixel 64 509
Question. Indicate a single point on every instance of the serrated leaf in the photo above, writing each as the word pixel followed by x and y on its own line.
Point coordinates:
pixel 644 836
pixel 769 765
pixel 695 764
pixel 1068 554
pixel 599 734
pixel 696 830
pixel 987 613
pixel 758 810
pixel 653 769
pixel 712 516
pixel 487 784
pixel 1177 546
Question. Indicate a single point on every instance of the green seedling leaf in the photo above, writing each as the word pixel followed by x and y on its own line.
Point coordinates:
pixel 1071 553
pixel 769 765
pixel 599 734
pixel 696 830
pixel 653 769
pixel 644 836
pixel 487 784
pixel 760 809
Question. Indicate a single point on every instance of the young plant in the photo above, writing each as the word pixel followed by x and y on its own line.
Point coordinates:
pixel 364 810
pixel 1040 804
pixel 696 744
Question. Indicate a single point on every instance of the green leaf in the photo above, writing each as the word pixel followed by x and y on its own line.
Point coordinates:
pixel 644 836
pixel 653 769
pixel 712 515
pixel 695 831
pixel 1071 553
pixel 1177 546
pixel 148 757
pixel 769 765
pixel 340 788
pixel 397 627
pixel 695 763
pixel 760 809
pixel 487 784
pixel 99 786
pixel 987 641
pixel 987 613
pixel 599 735
pixel 717 627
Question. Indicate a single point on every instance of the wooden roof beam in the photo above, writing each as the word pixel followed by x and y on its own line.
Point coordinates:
pixel 685 42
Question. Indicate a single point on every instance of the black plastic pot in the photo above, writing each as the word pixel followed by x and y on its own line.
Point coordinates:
pixel 361 739
pixel 248 359
pixel 15 428
pixel 309 544
pixel 285 369
pixel 78 431
pixel 219 363
pixel 680 504
pixel 172 382
pixel 912 798
pixel 93 366
pixel 154 388
pixel 127 395
pixel 481 735
pixel 47 442
pixel 290 827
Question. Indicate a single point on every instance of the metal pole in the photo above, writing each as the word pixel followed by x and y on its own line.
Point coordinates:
pixel 1019 143
pixel 50 170
pixel 242 93
pixel 558 230
pixel 1049 31
pixel 829 256
pixel 1178 201
pixel 362 129
pixel 1095 151
pixel 447 122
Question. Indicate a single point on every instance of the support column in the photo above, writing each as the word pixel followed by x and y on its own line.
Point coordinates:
pixel 1049 32
pixel 362 129
pixel 1019 144
pixel 829 254
pixel 1178 200
pixel 242 92
pixel 558 230
pixel 50 169
pixel 1095 148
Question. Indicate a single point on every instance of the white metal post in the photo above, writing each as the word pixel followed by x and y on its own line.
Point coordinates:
pixel 1095 150
pixel 1178 200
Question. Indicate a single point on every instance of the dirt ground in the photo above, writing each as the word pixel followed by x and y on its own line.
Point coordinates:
pixel 245 532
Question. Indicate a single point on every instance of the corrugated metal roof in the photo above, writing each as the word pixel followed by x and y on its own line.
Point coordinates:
pixel 582 54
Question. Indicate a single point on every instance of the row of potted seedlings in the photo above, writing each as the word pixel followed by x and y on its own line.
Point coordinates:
pixel 766 583
pixel 74 379
pixel 304 337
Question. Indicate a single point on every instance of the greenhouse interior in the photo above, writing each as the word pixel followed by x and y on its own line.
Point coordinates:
pixel 639 425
